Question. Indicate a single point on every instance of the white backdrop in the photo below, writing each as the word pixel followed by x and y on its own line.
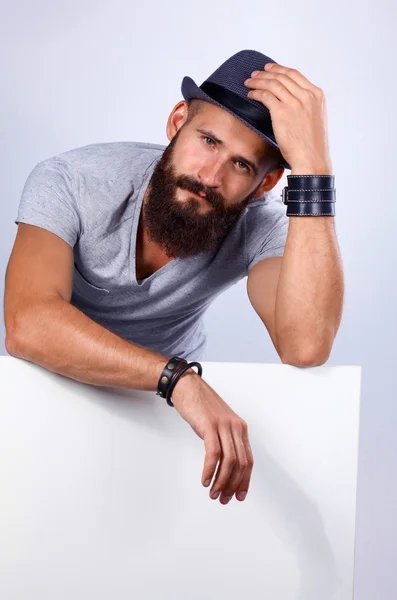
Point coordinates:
pixel 75 73
pixel 102 497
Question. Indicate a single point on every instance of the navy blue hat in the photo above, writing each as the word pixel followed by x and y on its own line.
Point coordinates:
pixel 225 88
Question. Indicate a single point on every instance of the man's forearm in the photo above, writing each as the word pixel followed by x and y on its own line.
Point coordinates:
pixel 57 336
pixel 310 290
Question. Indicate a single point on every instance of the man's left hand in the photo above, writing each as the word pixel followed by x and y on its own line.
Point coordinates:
pixel 299 117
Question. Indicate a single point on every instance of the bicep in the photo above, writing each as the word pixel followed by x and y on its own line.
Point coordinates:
pixel 40 267
pixel 262 291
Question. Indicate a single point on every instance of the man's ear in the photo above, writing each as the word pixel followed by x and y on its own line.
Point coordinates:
pixel 177 118
pixel 269 182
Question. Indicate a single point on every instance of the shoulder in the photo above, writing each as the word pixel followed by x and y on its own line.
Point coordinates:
pixel 109 160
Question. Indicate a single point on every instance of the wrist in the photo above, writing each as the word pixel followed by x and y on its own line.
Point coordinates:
pixel 312 170
pixel 186 381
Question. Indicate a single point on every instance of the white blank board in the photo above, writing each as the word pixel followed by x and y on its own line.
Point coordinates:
pixel 101 494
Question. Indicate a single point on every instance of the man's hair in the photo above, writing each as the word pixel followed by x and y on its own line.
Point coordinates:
pixel 195 106
pixel 272 154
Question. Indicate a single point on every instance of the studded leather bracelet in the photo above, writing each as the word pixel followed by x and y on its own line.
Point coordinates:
pixel 179 374
pixel 169 370
pixel 172 371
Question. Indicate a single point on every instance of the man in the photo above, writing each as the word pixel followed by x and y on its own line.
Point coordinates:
pixel 121 247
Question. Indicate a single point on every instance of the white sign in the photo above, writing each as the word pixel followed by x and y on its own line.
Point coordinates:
pixel 101 495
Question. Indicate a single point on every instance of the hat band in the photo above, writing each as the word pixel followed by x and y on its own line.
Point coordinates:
pixel 241 107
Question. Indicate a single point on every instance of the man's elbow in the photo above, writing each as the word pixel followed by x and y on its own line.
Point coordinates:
pixel 313 358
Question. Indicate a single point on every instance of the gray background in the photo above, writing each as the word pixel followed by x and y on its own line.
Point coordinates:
pixel 75 73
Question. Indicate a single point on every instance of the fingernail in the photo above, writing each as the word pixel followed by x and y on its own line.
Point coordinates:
pixel 226 499
pixel 254 73
pixel 207 482
pixel 241 495
pixel 215 496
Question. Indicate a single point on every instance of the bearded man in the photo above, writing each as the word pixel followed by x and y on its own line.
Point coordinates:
pixel 122 247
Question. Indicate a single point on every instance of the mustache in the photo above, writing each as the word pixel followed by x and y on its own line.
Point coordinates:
pixel 190 185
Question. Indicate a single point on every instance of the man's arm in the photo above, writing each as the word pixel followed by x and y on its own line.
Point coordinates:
pixel 57 336
pixel 310 289
pixel 299 296
pixel 262 292
pixel 44 328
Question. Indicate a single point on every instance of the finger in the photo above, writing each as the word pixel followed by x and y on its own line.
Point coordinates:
pixel 228 460
pixel 293 74
pixel 241 464
pixel 266 97
pixel 281 85
pixel 246 479
pixel 212 455
pixel 276 88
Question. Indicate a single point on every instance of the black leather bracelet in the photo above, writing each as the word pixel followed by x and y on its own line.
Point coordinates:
pixel 310 195
pixel 169 370
pixel 310 208
pixel 178 375
pixel 312 182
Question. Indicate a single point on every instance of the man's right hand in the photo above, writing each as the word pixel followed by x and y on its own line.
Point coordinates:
pixel 224 433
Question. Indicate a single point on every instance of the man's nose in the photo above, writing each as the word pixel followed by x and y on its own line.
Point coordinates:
pixel 210 174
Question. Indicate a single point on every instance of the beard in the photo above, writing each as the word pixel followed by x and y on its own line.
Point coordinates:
pixel 179 227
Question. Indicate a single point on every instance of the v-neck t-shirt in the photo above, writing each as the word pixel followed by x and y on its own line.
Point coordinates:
pixel 91 197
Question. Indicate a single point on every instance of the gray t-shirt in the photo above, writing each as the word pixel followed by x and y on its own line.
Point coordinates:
pixel 91 197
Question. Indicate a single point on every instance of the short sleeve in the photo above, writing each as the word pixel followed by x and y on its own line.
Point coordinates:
pixel 266 231
pixel 49 200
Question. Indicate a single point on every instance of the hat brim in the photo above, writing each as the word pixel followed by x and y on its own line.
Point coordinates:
pixel 191 90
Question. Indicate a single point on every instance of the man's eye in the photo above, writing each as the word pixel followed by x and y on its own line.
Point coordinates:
pixel 245 167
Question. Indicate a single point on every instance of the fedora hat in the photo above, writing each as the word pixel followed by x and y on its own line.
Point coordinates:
pixel 225 88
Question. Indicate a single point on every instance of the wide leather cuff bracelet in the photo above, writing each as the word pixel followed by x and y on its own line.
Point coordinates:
pixel 310 195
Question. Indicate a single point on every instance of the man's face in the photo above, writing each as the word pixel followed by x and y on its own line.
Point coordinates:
pixel 183 224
